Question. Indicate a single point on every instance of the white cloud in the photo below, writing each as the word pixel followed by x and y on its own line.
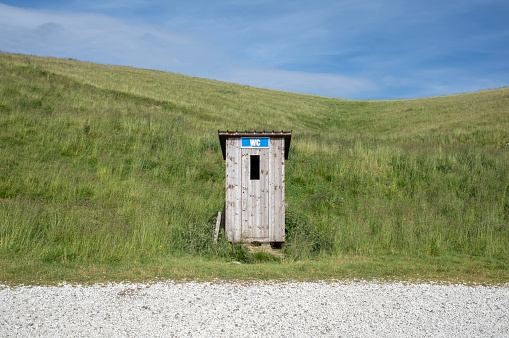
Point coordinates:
pixel 97 38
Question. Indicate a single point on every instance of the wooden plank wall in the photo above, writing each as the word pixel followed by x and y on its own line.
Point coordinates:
pixel 277 192
pixel 233 190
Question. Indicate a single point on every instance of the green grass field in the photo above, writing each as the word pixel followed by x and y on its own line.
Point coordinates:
pixel 111 173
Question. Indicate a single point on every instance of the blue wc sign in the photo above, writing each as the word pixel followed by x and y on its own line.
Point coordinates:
pixel 255 142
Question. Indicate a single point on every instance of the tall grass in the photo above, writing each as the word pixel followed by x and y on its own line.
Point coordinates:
pixel 115 164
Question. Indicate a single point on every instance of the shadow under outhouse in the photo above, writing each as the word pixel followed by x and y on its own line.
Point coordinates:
pixel 255 185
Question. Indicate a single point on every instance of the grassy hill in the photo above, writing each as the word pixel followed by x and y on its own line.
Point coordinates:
pixel 117 171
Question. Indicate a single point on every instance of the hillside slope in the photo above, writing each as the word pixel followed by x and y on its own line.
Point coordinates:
pixel 112 164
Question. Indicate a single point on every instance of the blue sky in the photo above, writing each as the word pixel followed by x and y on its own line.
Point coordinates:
pixel 354 49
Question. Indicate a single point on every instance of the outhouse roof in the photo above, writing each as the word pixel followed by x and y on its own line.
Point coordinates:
pixel 224 135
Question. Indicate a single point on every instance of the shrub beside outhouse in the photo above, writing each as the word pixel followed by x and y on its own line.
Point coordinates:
pixel 255 185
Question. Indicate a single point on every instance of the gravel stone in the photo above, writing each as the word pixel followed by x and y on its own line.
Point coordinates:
pixel 238 309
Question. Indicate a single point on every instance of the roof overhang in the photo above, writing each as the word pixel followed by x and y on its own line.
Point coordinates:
pixel 224 135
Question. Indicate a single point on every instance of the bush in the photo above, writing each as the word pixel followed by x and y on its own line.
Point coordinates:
pixel 303 238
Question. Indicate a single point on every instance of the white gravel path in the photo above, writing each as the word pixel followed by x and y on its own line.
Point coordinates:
pixel 289 309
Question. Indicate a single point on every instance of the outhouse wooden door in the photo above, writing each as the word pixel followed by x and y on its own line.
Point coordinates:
pixel 255 193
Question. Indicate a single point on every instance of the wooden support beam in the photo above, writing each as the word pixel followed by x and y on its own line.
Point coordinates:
pixel 218 223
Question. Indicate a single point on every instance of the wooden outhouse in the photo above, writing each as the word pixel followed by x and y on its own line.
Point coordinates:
pixel 255 185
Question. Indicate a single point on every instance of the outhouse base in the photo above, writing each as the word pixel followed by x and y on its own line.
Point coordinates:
pixel 258 243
